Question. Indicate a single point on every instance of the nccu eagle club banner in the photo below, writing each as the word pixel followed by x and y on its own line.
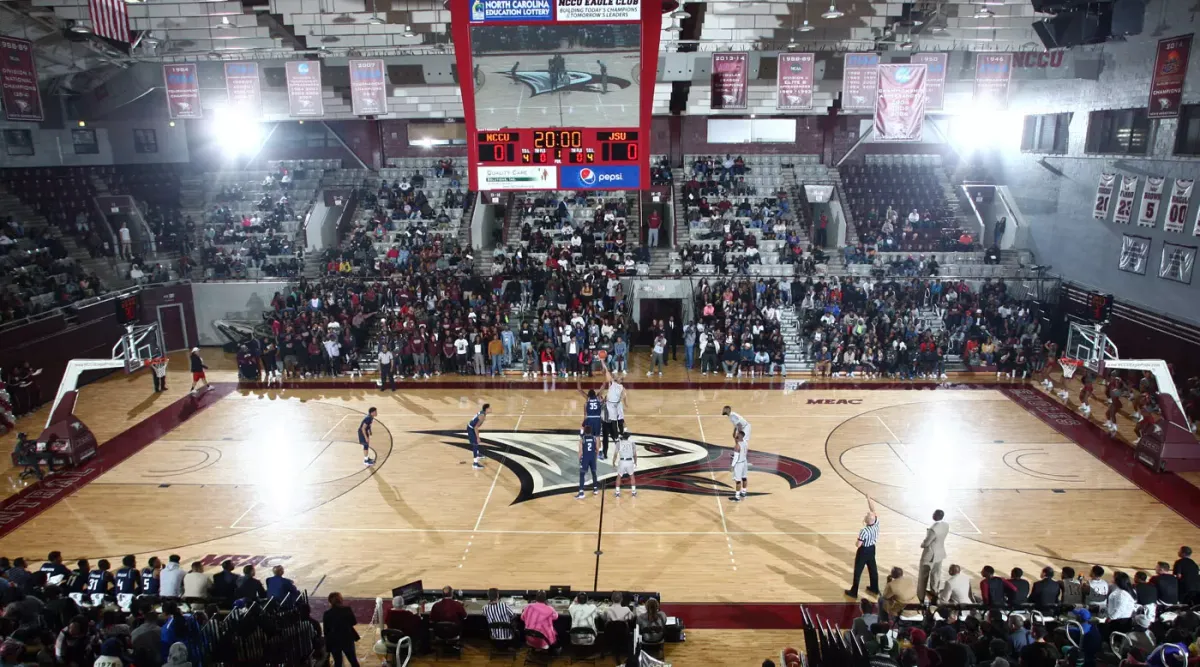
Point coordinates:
pixel 1177 207
pixel 241 83
pixel 794 82
pixel 368 87
pixel 490 11
pixel 1166 82
pixel 598 10
pixel 935 78
pixel 183 91
pixel 1151 200
pixel 860 76
pixel 729 75
pixel 19 81
pixel 900 103
pixel 993 76
pixel 304 88
pixel 1125 200
pixel 1104 193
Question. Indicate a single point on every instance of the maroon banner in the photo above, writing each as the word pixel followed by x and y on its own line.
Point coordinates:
pixel 935 78
pixel 730 72
pixel 19 81
pixel 368 87
pixel 241 82
pixel 993 77
pixel 183 91
pixel 304 88
pixel 1166 82
pixel 794 82
pixel 860 77
pixel 900 103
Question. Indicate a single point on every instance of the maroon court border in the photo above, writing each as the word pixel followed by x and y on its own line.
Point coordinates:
pixel 1170 489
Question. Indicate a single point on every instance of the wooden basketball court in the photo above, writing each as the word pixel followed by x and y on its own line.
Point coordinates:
pixel 278 475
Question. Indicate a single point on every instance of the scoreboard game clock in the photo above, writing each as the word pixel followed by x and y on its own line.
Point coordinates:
pixel 561 92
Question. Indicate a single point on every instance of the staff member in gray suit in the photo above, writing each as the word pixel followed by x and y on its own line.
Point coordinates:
pixel 933 552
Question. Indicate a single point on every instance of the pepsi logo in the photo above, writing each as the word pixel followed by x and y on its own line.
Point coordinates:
pixel 587 176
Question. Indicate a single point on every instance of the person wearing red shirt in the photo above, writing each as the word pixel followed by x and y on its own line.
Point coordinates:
pixel 448 610
pixel 654 224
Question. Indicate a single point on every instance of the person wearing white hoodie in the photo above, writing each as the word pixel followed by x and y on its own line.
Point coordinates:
pixel 170 580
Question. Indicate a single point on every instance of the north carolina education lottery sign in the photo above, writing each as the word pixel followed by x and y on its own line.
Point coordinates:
pixel 484 11
pixel 487 11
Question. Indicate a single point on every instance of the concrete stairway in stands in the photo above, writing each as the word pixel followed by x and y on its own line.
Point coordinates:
pixel 794 357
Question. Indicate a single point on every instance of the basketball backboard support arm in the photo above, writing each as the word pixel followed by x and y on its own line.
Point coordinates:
pixel 140 343
pixel 70 380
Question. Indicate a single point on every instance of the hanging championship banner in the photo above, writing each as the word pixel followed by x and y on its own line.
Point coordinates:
pixel 730 72
pixel 241 84
pixel 1104 196
pixel 1177 262
pixel 1135 250
pixel 1151 200
pixel 19 81
pixel 1125 200
pixel 900 103
pixel 993 76
pixel 1177 207
pixel 935 78
pixel 368 87
pixel 794 82
pixel 183 91
pixel 1166 82
pixel 860 76
pixel 304 88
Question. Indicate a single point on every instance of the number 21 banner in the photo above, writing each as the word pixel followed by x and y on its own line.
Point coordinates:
pixel 1125 200
pixel 1104 196
pixel 1151 200
pixel 1177 207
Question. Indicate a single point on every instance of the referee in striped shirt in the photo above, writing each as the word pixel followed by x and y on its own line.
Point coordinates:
pixel 864 555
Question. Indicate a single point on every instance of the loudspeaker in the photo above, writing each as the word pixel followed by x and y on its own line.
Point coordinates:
pixel 1128 17
pixel 1069 29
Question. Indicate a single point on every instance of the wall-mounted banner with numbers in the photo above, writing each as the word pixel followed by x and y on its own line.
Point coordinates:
pixel 1125 200
pixel 1151 201
pixel 1104 193
pixel 860 76
pixel 1177 262
pixel 19 83
pixel 1177 207
pixel 1134 252
pixel 993 77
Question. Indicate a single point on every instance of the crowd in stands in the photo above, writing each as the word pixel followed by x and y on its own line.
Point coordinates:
pixel 564 232
pixel 37 273
pixel 902 207
pixel 1091 619
pixel 660 171
pixel 243 230
pixel 736 329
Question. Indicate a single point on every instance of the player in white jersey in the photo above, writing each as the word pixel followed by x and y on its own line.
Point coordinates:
pixel 741 451
pixel 625 461
pixel 614 410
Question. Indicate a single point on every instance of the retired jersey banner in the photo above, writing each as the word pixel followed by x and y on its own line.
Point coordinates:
pixel 993 76
pixel 304 88
pixel 860 76
pixel 1125 200
pixel 935 78
pixel 730 72
pixel 1104 193
pixel 183 91
pixel 1151 201
pixel 1166 81
pixel 794 82
pixel 900 103
pixel 19 81
pixel 242 86
pixel 368 87
pixel 1177 207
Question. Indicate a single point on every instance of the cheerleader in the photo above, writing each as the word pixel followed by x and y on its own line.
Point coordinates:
pixel 1113 391
pixel 1085 392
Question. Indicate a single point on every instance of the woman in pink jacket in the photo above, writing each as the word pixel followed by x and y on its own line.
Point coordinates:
pixel 540 616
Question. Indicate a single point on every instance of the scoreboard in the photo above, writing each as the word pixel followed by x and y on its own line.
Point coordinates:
pixel 561 91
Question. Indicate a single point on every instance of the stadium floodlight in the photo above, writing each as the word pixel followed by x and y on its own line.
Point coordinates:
pixel 81 28
pixel 833 13
pixel 236 133
pixel 984 129
pixel 408 32
pixel 805 27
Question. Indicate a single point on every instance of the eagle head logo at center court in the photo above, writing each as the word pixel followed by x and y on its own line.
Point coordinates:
pixel 547 462
pixel 542 82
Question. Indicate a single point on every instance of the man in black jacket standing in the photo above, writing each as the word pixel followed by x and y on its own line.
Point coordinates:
pixel 225 582
pixel 340 635
pixel 1189 576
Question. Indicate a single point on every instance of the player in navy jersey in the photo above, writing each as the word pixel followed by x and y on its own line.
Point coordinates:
pixel 53 567
pixel 128 578
pixel 364 435
pixel 592 412
pixel 78 581
pixel 473 435
pixel 100 580
pixel 150 576
pixel 587 461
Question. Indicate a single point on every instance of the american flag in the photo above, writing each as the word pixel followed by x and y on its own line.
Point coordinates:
pixel 109 19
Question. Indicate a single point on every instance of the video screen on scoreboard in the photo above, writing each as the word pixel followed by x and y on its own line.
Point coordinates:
pixel 531 76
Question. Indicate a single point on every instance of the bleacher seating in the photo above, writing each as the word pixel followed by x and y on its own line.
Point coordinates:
pixel 572 230
pixel 885 191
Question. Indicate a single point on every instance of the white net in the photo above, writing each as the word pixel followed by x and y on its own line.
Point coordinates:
pixel 1069 366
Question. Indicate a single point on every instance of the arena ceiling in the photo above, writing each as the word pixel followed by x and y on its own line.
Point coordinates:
pixel 186 30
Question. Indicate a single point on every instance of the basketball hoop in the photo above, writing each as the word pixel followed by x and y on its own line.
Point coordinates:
pixel 1069 366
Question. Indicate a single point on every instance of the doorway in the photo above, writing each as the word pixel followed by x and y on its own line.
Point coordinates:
pixel 173 327
pixel 651 310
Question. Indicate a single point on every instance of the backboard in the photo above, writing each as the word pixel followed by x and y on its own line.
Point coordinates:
pixel 141 344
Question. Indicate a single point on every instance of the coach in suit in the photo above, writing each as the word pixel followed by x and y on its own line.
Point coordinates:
pixel 933 552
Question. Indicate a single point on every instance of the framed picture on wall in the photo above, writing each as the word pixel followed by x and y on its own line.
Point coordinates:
pixel 1135 250
pixel 18 142
pixel 85 142
pixel 1177 262
pixel 145 141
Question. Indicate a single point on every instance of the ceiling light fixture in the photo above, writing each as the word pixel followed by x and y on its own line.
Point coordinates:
pixel 81 28
pixel 833 13
pixel 805 27
pixel 408 31
pixel 984 13
pixel 224 24
pixel 330 39
pixel 375 20
pixel 680 14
